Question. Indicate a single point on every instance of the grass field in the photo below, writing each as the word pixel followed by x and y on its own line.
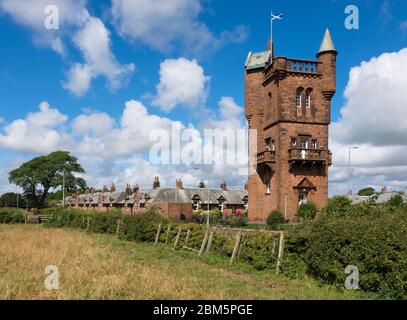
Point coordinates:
pixel 103 267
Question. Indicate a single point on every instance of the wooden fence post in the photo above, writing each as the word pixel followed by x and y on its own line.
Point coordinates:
pixel 280 252
pixel 157 236
pixel 208 247
pixel 177 239
pixel 168 234
pixel 204 242
pixel 119 222
pixel 236 249
pixel 87 223
pixel 273 250
pixel 187 237
pixel 241 246
pixel 25 218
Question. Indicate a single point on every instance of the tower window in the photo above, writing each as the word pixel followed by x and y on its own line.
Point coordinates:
pixel 293 142
pixel 299 97
pixel 304 143
pixel 308 98
pixel 314 144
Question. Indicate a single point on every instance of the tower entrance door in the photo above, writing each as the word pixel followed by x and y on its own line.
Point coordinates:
pixel 303 198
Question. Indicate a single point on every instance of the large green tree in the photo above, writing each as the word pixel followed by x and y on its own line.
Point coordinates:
pixel 12 200
pixel 44 174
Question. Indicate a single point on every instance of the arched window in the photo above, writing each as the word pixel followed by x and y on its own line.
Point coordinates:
pixel 308 98
pixel 299 97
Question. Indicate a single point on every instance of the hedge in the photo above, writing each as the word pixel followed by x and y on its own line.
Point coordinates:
pixel 12 216
pixel 256 249
pixel 376 244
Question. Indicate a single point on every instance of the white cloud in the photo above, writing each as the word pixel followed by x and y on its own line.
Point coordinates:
pixel 94 42
pixel 31 14
pixel 163 25
pixel 79 78
pixel 40 132
pixel 373 118
pixel 88 34
pixel 182 82
pixel 116 150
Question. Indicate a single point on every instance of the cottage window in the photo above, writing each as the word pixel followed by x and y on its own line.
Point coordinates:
pixel 293 142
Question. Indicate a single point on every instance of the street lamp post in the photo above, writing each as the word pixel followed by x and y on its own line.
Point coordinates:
pixel 350 170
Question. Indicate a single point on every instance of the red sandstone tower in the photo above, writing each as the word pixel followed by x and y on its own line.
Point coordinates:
pixel 288 101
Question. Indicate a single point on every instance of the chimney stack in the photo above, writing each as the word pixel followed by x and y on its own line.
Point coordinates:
pixel 223 186
pixel 179 184
pixel 113 188
pixel 136 189
pixel 156 183
pixel 384 190
pixel 105 189
pixel 128 190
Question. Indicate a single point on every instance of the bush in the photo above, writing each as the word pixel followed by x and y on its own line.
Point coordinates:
pixel 338 206
pixel 274 219
pixel 142 227
pixel 215 217
pixel 257 250
pixel 395 204
pixel 237 220
pixel 307 211
pixel 12 216
pixel 376 244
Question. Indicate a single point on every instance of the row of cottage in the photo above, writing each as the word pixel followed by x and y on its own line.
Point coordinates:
pixel 178 202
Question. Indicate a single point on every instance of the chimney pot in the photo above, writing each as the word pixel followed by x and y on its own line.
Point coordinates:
pixel 223 186
pixel 156 183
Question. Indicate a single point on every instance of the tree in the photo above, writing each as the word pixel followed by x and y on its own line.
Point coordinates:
pixel 202 185
pixel 367 192
pixel 307 211
pixel 274 219
pixel 42 174
pixel 9 200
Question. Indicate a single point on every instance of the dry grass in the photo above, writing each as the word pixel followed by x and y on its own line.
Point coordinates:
pixel 102 267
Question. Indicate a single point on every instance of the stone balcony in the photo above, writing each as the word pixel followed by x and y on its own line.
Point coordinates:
pixel 314 156
pixel 266 158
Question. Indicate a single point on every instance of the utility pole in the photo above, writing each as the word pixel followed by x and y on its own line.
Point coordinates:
pixel 63 188
pixel 350 170
pixel 209 195
pixel 17 200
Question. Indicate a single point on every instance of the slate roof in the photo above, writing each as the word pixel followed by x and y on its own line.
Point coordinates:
pixel 381 198
pixel 165 195
pixel 258 60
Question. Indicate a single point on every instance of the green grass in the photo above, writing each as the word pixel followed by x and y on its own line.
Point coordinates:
pixel 104 267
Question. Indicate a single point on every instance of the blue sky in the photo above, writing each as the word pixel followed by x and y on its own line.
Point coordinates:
pixel 31 72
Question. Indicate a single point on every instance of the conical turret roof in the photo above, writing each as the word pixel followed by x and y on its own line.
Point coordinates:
pixel 327 43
